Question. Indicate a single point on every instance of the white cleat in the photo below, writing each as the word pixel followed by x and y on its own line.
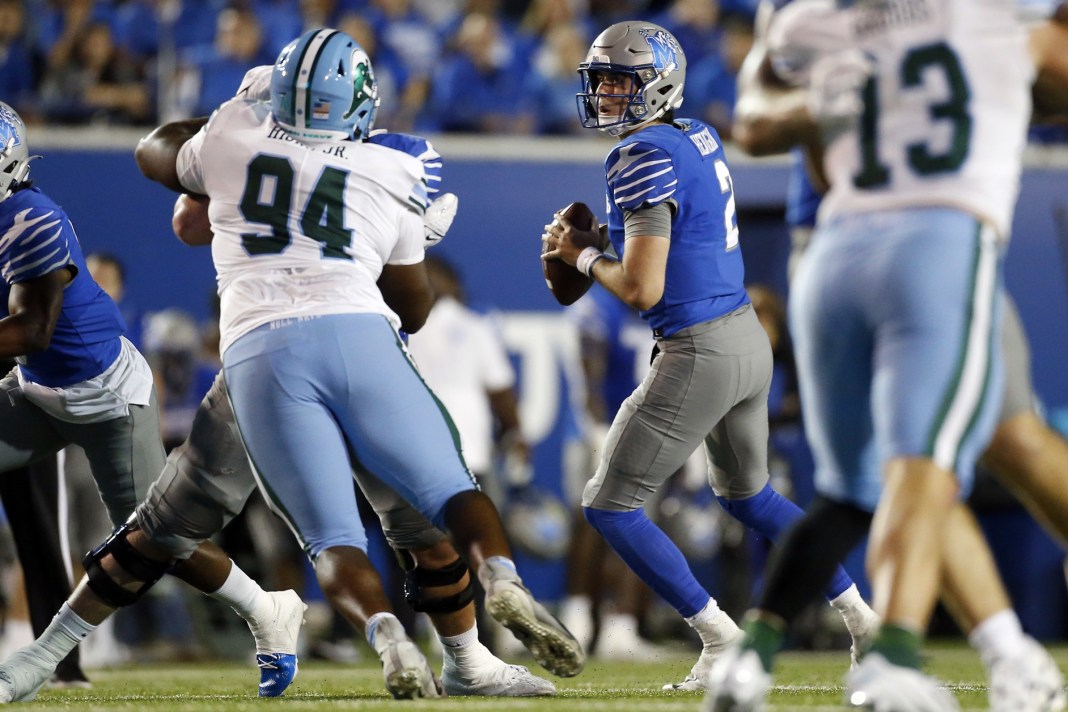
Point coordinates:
pixel 497 679
pixel 879 686
pixel 23 675
pixel 863 626
pixel 512 605
pixel 404 669
pixel 1029 682
pixel 276 630
pixel 738 682
pixel 722 633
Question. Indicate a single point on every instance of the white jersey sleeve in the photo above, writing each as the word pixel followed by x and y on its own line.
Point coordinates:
pixel 300 229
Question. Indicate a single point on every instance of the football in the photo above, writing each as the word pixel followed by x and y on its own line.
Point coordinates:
pixel 565 282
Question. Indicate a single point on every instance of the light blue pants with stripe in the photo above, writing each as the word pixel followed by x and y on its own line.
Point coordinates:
pixel 896 319
pixel 310 394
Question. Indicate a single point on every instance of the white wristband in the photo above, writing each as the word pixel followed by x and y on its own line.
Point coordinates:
pixel 586 259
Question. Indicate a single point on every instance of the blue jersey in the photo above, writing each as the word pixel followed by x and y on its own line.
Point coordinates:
pixel 38 238
pixel 683 165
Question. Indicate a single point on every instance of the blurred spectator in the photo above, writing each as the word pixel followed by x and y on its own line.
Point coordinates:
pixel 172 345
pixel 59 24
pixel 402 98
pixel 695 24
pixel 553 80
pixel 107 271
pixel 710 82
pixel 207 74
pixel 19 67
pixel 479 87
pixel 89 81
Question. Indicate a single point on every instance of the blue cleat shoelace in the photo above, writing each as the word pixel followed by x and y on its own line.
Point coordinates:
pixel 277 671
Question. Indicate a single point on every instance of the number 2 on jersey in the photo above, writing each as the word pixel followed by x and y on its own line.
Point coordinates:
pixel 730 213
pixel 267 200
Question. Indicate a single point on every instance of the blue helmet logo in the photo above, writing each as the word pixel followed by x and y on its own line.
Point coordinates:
pixel 11 127
pixel 664 46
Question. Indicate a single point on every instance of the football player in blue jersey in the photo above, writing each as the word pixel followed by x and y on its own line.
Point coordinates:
pixel 672 225
pixel 78 380
pixel 773 115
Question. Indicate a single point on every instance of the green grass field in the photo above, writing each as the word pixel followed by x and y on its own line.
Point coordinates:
pixel 808 681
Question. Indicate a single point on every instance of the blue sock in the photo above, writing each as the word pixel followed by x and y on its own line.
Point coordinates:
pixel 769 513
pixel 652 555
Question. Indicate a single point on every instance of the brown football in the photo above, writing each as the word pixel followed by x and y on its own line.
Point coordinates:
pixel 565 282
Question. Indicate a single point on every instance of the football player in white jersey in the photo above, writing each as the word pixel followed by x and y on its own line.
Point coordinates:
pixel 899 112
pixel 318 244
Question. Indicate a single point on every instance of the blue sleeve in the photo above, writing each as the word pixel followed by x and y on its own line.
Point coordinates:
pixel 417 147
pixel 640 174
pixel 35 244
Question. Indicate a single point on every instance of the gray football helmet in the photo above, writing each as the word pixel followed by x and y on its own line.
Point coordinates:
pixel 14 151
pixel 650 58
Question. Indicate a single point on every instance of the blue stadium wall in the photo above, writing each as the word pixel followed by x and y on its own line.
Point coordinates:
pixel 508 190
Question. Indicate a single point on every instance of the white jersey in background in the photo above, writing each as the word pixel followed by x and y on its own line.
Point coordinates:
pixel 462 360
pixel 945 114
pixel 300 229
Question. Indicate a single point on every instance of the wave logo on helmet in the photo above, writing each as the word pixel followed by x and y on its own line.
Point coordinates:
pixel 10 136
pixel 664 46
pixel 363 82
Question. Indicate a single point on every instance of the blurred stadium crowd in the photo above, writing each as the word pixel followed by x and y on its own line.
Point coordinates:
pixel 503 66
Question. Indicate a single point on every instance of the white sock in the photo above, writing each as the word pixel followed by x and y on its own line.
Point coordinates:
pixel 708 614
pixel 485 571
pixel 372 625
pixel 66 630
pixel 620 621
pixel 709 623
pixel 578 606
pixel 241 593
pixel 855 611
pixel 999 636
pixel 464 650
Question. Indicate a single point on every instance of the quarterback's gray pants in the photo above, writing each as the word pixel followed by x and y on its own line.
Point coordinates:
pixel 208 479
pixel 125 454
pixel 709 383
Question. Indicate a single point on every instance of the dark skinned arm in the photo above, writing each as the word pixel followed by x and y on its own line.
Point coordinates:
pixel 157 153
pixel 407 291
pixel 33 307
pixel 190 220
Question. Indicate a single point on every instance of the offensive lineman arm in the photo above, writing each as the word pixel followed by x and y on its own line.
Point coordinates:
pixel 33 310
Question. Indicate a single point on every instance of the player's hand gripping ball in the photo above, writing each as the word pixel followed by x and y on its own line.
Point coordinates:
pixel 565 282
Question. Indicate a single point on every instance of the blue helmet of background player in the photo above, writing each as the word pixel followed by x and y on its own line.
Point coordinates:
pixel 14 151
pixel 650 59
pixel 323 87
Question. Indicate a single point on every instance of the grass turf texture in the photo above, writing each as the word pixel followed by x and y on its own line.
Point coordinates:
pixel 804 680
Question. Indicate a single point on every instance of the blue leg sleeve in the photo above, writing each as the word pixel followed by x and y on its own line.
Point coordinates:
pixel 769 513
pixel 652 555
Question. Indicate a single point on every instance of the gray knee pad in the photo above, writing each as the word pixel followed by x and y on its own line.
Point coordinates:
pixel 136 564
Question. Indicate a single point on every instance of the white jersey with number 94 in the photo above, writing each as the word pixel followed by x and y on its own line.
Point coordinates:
pixel 945 113
pixel 300 229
